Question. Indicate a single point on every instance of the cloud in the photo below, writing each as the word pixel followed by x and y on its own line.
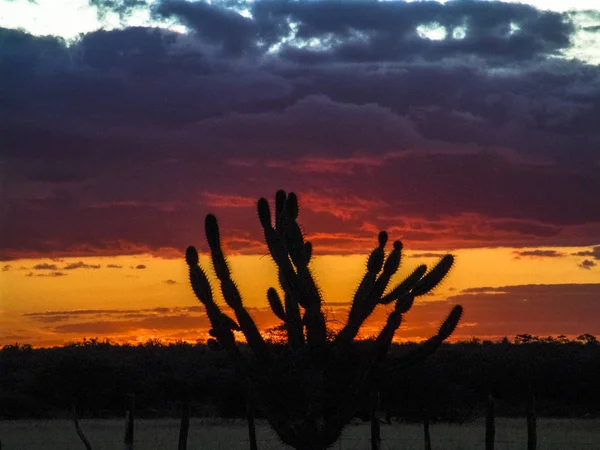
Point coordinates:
pixel 489 312
pixel 323 165
pixel 538 254
pixel 509 310
pixel 428 255
pixel 140 266
pixel 361 103
pixel 6 268
pixel 587 264
pixel 228 201
pixel 113 266
pixel 372 31
pixel 102 312
pixel 594 253
pixel 81 265
pixel 340 205
pixel 45 266
pixel 115 321
pixel 170 282
pixel 50 274
pixel 232 32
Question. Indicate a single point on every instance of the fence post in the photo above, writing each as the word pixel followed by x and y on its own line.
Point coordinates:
pixel 531 423
pixel 426 432
pixel 185 423
pixel 85 441
pixel 128 440
pixel 490 426
pixel 375 424
pixel 251 425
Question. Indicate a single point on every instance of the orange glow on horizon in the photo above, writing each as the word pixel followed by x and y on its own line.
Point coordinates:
pixel 134 298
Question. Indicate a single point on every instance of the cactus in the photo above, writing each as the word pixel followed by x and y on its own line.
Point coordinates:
pixel 310 390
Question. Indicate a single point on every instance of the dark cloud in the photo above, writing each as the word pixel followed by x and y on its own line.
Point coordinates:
pixel 510 310
pixel 122 8
pixel 110 322
pixel 364 30
pixel 539 254
pixel 81 265
pixel 113 266
pixel 484 138
pixel 140 266
pixel 50 274
pixel 427 255
pixel 6 267
pixel 170 282
pixel 594 253
pixel 213 24
pixel 587 264
pixel 45 266
pixel 108 312
pixel 489 312
pixel 389 31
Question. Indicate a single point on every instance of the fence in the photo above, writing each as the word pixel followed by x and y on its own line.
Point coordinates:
pixel 162 434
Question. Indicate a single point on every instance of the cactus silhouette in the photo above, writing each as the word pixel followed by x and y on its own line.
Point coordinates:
pixel 310 389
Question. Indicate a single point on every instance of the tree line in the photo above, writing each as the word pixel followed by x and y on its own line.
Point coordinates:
pixel 451 385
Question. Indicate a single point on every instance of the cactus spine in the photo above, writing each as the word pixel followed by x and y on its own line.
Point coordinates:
pixel 311 390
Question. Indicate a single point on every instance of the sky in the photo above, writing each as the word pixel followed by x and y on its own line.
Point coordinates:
pixel 465 127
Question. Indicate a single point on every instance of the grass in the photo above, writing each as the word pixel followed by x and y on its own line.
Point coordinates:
pixel 162 434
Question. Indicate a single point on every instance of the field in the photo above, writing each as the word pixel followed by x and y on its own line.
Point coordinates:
pixel 162 434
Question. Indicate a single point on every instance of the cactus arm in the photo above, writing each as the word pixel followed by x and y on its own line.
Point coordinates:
pixel 222 331
pixel 367 304
pixel 292 255
pixel 275 304
pixel 277 249
pixel 294 321
pixel 221 324
pixel 429 346
pixel 316 331
pixel 390 267
pixel 230 291
pixel 280 197
pixel 201 287
pixel 405 286
pixel 374 266
pixel 434 276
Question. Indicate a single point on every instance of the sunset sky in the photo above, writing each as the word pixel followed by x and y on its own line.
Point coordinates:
pixel 469 127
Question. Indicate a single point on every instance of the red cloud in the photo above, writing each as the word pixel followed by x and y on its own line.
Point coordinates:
pixel 228 201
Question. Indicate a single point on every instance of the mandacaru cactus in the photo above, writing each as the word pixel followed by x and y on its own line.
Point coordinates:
pixel 310 389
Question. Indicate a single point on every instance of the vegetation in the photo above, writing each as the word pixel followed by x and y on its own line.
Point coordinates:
pixel 98 376
pixel 311 388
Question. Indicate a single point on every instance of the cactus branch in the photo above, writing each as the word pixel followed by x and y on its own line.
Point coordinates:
pixel 275 304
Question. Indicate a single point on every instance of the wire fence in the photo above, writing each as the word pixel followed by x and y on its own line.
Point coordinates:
pixel 161 434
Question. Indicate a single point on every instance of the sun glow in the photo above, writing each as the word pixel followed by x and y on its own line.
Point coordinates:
pixel 135 298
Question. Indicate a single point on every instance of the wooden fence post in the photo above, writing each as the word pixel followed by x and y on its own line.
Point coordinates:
pixel 426 430
pixel 251 424
pixel 375 424
pixel 490 426
pixel 185 423
pixel 128 440
pixel 85 441
pixel 531 423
